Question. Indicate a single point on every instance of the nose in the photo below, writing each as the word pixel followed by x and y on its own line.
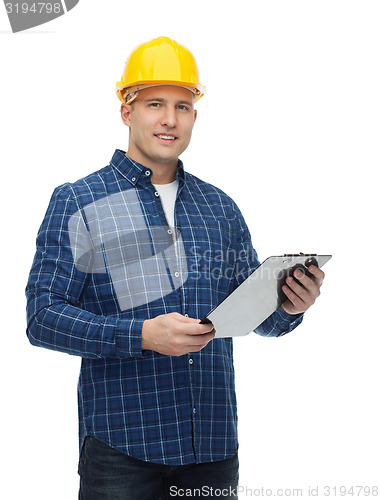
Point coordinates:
pixel 169 118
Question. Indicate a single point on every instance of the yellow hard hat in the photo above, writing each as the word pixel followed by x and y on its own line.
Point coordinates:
pixel 161 61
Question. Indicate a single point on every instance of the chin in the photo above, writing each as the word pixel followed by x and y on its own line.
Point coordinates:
pixel 167 159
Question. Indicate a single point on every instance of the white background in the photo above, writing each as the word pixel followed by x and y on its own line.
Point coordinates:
pixel 289 128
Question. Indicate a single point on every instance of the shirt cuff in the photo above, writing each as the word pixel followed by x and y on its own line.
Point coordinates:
pixel 286 322
pixel 128 338
pixel 278 324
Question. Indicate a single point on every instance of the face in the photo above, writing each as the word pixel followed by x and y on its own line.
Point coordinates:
pixel 161 121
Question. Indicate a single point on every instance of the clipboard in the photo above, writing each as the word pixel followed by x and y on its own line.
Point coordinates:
pixel 254 300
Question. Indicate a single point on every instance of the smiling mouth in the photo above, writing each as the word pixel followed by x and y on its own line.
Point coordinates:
pixel 166 137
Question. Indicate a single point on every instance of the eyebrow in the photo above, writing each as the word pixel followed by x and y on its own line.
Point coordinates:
pixel 160 99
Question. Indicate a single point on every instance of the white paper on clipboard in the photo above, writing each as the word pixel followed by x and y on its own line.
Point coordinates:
pixel 254 300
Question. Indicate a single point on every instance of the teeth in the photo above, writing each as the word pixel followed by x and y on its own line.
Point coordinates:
pixel 166 136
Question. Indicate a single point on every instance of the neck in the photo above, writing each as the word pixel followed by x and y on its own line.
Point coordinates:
pixel 163 173
pixel 163 176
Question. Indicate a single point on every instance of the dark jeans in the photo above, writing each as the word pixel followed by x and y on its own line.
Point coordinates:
pixel 106 474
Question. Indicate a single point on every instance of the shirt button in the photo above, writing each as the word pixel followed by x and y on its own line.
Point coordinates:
pixel 169 231
pixel 186 315
pixel 191 361
pixel 147 172
pixel 156 194
pixel 176 274
pixel 133 179
pixel 194 411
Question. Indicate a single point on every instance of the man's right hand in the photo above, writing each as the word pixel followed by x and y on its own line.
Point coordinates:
pixel 174 335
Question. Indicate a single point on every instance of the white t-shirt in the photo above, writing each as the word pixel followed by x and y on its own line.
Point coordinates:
pixel 168 194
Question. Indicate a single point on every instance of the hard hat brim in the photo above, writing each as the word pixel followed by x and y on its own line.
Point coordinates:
pixel 199 90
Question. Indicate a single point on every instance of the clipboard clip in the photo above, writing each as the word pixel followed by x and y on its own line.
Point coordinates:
pixel 299 254
pixel 288 258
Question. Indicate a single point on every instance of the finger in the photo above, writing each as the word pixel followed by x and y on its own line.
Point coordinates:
pixel 185 319
pixel 294 298
pixel 196 328
pixel 205 338
pixel 200 341
pixel 204 329
pixel 297 288
pixel 309 284
pixel 307 295
pixel 318 274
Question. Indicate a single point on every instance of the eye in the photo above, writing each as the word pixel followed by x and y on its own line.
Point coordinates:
pixel 183 107
pixel 154 104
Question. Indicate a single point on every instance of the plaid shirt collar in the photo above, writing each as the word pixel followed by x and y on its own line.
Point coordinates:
pixel 136 173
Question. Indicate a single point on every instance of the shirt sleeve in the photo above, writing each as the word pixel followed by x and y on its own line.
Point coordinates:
pixel 55 318
pixel 279 323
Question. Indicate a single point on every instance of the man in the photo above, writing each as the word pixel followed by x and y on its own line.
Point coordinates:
pixel 128 260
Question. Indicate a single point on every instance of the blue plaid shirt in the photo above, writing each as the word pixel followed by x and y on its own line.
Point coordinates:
pixel 105 262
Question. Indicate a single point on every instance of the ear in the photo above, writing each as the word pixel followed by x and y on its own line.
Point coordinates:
pixel 195 114
pixel 125 112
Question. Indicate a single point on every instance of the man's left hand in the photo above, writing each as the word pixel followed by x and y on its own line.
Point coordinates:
pixel 302 296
